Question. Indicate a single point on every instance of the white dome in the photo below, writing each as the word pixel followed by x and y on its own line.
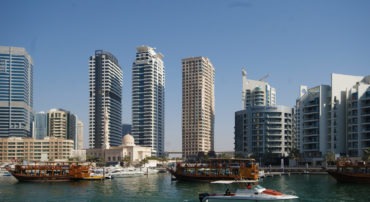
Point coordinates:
pixel 128 140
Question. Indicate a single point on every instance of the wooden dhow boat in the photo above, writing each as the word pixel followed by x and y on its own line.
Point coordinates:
pixel 349 172
pixel 216 169
pixel 50 172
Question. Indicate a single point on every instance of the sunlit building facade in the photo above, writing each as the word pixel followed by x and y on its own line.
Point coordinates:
pixel 257 92
pixel 334 119
pixel 262 127
pixel 30 149
pixel 198 106
pixel 16 92
pixel 148 86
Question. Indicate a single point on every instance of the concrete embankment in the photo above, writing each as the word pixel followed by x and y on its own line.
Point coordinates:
pixel 277 171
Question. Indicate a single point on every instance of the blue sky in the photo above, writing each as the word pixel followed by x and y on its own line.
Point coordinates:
pixel 295 42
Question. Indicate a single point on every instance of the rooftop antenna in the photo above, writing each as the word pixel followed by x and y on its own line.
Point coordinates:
pixel 264 77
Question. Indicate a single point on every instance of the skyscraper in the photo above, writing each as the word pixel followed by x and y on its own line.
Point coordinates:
pixel 80 135
pixel 105 94
pixel 58 123
pixel 40 127
pixel 197 106
pixel 148 83
pixel 16 92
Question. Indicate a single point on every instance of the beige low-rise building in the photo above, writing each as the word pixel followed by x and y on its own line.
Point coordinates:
pixel 19 149
pixel 128 149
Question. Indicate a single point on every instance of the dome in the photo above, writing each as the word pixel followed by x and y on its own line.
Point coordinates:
pixel 128 140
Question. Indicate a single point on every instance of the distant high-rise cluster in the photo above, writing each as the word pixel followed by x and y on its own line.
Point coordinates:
pixel 106 80
pixel 148 86
pixel 327 120
pixel 16 92
pixel 198 106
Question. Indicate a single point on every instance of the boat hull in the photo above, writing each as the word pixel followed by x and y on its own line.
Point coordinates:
pixel 361 178
pixel 200 178
pixel 215 169
pixel 249 194
pixel 27 178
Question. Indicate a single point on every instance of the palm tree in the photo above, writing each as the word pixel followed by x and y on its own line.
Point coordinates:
pixel 295 155
pixel 366 155
pixel 126 160
pixel 330 157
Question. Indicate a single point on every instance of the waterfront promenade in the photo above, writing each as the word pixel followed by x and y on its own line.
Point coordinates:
pixel 277 170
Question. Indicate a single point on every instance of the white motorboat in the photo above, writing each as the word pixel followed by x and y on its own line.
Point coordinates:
pixel 252 192
pixel 4 172
pixel 126 172
pixel 150 170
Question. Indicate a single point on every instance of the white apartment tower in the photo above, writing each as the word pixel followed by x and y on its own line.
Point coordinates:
pixel 198 106
pixel 148 85
pixel 105 81
pixel 334 118
pixel 262 126
pixel 257 92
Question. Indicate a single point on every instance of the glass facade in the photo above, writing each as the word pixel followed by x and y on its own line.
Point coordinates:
pixel 16 93
pixel 105 82
pixel 148 81
pixel 40 129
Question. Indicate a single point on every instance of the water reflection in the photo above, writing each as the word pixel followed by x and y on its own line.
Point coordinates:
pixel 161 188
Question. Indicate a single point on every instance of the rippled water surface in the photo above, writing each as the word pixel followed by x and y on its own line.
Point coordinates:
pixel 161 188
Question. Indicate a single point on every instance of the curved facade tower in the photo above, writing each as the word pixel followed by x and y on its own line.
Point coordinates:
pixel 148 83
pixel 16 92
pixel 105 93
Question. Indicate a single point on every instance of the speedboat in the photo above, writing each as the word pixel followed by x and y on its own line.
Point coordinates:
pixel 126 172
pixel 4 172
pixel 252 192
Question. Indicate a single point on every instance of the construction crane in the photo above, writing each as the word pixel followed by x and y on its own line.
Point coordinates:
pixel 264 77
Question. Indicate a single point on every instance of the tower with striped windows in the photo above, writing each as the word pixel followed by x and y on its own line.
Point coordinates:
pixel 105 81
pixel 16 92
pixel 148 85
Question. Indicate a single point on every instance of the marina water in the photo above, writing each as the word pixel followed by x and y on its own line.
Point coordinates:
pixel 159 187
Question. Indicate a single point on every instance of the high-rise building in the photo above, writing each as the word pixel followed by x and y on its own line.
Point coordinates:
pixel 257 92
pixel 80 135
pixel 40 127
pixel 260 130
pixel 16 92
pixel 198 106
pixel 105 94
pixel 313 120
pixel 62 124
pixel 148 84
pixel 262 127
pixel 334 119
pixel 58 123
pixel 358 117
